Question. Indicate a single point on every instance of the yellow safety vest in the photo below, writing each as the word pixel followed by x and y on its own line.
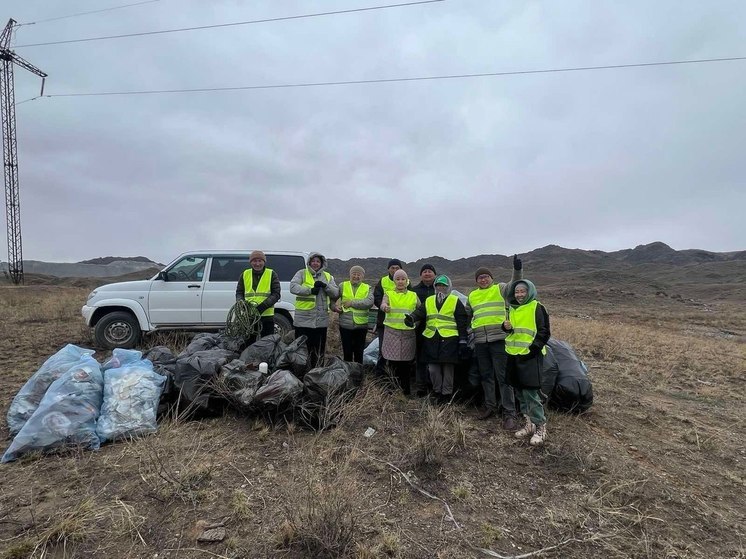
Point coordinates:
pixel 308 302
pixel 261 292
pixel 444 320
pixel 387 284
pixel 488 307
pixel 523 320
pixel 401 304
pixel 349 293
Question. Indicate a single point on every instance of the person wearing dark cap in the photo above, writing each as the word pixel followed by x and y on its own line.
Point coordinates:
pixel 424 289
pixel 260 287
pixel 386 283
pixel 487 309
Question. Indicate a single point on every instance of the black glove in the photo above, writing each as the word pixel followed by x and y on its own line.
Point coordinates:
pixel 319 285
pixel 534 350
pixel 315 290
pixel 517 264
pixel 408 320
pixel 261 307
pixel 464 353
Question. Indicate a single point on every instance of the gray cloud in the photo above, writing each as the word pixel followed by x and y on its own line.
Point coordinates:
pixel 605 159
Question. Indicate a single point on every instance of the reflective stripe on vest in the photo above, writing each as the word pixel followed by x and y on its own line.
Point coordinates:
pixel 488 307
pixel 442 321
pixel 523 320
pixel 359 316
pixel 308 302
pixel 263 290
pixel 401 304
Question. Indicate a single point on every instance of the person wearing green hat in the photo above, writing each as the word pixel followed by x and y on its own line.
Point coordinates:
pixel 445 333
pixel 528 331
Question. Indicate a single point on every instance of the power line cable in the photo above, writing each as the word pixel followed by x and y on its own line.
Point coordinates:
pixel 409 79
pixel 87 13
pixel 233 24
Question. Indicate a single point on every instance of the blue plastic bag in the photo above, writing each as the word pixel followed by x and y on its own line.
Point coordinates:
pixel 131 396
pixel 66 416
pixel 120 357
pixel 30 395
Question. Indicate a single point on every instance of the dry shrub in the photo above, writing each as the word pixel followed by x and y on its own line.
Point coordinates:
pixel 177 464
pixel 440 434
pixel 321 521
pixel 175 340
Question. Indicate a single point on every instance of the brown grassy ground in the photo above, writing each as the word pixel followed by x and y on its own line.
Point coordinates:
pixel 655 471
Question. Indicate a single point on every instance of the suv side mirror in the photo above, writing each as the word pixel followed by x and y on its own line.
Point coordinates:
pixel 163 276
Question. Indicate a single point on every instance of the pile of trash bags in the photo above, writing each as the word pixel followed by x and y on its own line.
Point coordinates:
pixel 73 401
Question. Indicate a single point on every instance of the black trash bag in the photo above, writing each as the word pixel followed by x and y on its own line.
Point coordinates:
pixel 265 350
pixel 161 355
pixel 294 357
pixel 322 383
pixel 573 390
pixel 356 372
pixel 194 376
pixel 282 389
pixel 201 342
pixel 548 374
pixel 231 343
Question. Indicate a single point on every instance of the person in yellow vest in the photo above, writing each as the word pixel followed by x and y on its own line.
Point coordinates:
pixel 386 283
pixel 445 333
pixel 487 309
pixel 355 300
pixel 399 341
pixel 259 286
pixel 314 289
pixel 528 332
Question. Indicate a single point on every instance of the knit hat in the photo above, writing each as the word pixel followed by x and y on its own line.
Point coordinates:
pixel 358 269
pixel 481 271
pixel 257 254
pixel 428 266
pixel 442 279
pixel 394 262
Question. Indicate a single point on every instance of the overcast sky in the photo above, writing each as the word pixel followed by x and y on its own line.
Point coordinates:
pixel 603 159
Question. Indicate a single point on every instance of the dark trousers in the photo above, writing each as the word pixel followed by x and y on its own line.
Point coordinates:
pixel 353 343
pixel 380 368
pixel 268 326
pixel 401 371
pixel 315 342
pixel 492 361
pixel 422 376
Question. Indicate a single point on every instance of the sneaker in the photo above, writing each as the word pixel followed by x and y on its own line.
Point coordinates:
pixel 526 430
pixel 540 435
pixel 510 423
pixel 486 414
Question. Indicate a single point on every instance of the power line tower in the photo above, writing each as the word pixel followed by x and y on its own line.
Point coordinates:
pixel 10 149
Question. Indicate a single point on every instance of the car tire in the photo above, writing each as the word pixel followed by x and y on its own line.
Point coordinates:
pixel 117 329
pixel 283 326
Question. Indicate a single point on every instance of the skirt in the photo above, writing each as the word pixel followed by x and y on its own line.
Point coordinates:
pixel 399 345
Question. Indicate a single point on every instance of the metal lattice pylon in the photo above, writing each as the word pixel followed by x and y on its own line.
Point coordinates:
pixel 10 152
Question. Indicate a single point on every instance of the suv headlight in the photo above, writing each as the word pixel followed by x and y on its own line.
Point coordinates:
pixel 91 295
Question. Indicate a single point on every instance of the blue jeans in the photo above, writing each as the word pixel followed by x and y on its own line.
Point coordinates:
pixel 492 359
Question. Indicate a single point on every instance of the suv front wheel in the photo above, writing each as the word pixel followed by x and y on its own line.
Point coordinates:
pixel 117 329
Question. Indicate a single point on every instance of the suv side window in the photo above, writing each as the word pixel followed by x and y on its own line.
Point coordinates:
pixel 285 265
pixel 228 268
pixel 189 268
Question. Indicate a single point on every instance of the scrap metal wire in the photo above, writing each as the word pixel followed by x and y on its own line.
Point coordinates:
pixel 243 321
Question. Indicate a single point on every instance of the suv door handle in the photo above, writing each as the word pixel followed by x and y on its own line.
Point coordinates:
pixel 194 285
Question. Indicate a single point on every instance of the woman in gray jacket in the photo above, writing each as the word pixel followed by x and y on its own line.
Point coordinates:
pixel 313 288
pixel 354 303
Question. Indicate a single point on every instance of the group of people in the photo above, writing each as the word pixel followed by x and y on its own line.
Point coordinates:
pixel 424 330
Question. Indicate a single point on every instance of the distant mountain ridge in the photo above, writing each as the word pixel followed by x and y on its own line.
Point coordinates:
pixel 110 259
pixel 551 258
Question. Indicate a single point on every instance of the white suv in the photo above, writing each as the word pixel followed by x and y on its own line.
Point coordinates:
pixel 194 292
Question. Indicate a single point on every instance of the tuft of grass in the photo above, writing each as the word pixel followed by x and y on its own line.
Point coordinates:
pixel 241 505
pixel 441 433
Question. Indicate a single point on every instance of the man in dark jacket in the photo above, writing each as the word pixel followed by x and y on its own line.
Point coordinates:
pixel 249 288
pixel 386 283
pixel 424 289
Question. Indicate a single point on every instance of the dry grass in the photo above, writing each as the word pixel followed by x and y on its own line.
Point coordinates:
pixel 655 470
